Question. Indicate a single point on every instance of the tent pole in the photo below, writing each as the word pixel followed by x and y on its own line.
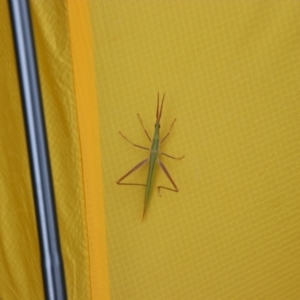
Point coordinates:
pixel 51 258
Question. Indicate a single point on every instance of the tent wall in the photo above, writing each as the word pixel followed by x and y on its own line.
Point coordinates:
pixel 230 70
pixel 65 61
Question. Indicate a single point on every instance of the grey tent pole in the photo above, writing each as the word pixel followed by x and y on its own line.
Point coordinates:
pixel 51 258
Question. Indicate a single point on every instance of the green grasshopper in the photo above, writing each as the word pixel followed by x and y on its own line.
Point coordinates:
pixel 153 158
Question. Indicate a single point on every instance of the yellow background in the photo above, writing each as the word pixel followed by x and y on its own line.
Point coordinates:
pixel 19 255
pixel 64 53
pixel 230 71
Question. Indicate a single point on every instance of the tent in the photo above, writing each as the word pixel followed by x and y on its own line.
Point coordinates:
pixel 230 74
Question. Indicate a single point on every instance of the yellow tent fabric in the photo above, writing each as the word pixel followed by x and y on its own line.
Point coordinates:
pixel 64 52
pixel 20 274
pixel 230 73
pixel 230 70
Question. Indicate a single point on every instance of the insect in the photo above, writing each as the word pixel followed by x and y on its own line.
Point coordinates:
pixel 153 158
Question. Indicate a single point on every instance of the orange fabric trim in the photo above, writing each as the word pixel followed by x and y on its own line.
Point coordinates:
pixel 88 123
